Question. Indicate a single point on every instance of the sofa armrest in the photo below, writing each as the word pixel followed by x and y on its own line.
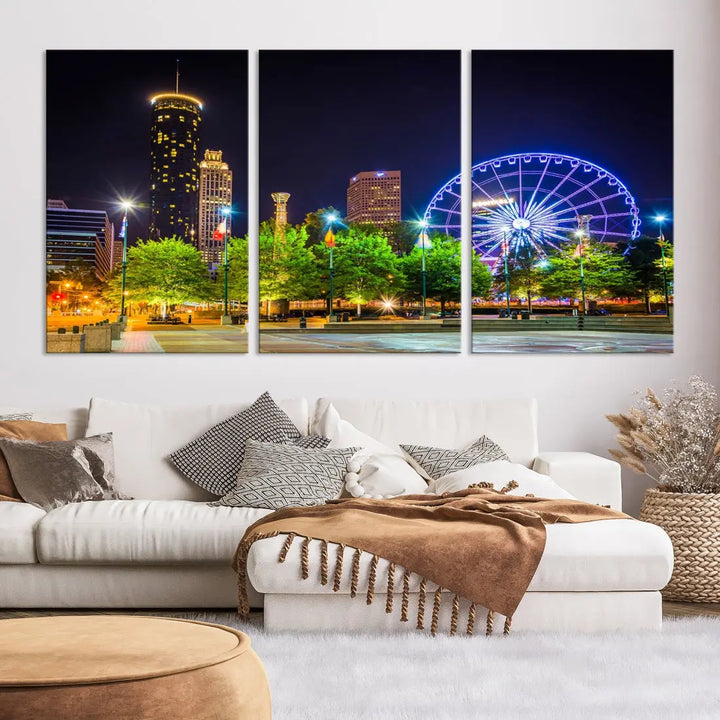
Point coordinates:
pixel 588 477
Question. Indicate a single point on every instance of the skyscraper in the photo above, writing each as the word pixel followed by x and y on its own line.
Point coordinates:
pixel 215 197
pixel 374 197
pixel 86 235
pixel 174 142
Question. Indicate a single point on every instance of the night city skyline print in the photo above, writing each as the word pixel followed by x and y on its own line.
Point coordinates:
pixel 146 219
pixel 572 206
pixel 350 162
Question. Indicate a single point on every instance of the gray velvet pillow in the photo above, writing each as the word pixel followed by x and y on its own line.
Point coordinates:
pixel 55 473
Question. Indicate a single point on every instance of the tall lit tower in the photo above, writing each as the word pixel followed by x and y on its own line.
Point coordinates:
pixel 281 216
pixel 174 142
pixel 215 196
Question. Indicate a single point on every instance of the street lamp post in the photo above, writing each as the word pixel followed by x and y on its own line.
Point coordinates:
pixel 583 222
pixel 507 274
pixel 124 231
pixel 226 319
pixel 330 242
pixel 660 219
pixel 424 242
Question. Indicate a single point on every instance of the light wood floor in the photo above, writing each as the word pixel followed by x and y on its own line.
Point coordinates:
pixel 670 609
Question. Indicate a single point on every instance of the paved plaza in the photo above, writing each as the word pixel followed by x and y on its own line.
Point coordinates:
pixel 204 339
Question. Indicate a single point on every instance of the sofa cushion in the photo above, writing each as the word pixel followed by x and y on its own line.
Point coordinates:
pixel 144 435
pixel 511 423
pixel 142 531
pixel 17 532
pixel 605 555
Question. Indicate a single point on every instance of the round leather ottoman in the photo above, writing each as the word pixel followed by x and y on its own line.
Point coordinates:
pixel 120 666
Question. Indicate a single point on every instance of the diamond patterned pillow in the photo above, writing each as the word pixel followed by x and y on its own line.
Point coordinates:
pixel 213 460
pixel 277 476
pixel 434 463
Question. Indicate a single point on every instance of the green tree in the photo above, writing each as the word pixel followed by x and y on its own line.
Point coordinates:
pixel 402 236
pixel 443 266
pixel 238 268
pixel 288 269
pixel 525 273
pixel 164 272
pixel 644 258
pixel 316 224
pixel 365 265
pixel 607 273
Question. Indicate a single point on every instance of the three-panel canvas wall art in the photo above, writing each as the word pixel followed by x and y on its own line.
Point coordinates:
pixel 367 221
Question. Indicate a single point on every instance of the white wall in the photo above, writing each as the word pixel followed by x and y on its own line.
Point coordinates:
pixel 574 391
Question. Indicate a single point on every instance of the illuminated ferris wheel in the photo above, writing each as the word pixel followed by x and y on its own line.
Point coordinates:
pixel 533 202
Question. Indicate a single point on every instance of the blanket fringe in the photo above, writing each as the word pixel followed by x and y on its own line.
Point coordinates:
pixel 508 623
pixel 371 580
pixel 405 596
pixel 455 613
pixel 421 605
pixel 240 565
pixel 436 612
pixel 304 558
pixel 510 486
pixel 286 547
pixel 355 573
pixel 471 620
pixel 390 587
pixel 489 622
pixel 338 567
pixel 324 562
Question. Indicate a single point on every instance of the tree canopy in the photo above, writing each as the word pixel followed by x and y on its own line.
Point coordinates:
pixel 165 272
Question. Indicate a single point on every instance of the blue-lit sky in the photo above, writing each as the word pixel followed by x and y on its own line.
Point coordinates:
pixel 613 108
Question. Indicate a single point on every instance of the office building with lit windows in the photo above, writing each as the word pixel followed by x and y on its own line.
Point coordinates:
pixel 374 197
pixel 215 199
pixel 174 165
pixel 86 235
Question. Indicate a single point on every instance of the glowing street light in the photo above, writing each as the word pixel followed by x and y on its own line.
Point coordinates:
pixel 330 219
pixel 423 242
pixel 226 267
pixel 660 219
pixel 126 205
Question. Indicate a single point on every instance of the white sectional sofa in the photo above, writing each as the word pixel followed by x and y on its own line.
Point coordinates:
pixel 168 549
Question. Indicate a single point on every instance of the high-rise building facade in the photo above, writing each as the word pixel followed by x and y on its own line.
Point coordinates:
pixel 215 200
pixel 374 197
pixel 86 235
pixel 174 165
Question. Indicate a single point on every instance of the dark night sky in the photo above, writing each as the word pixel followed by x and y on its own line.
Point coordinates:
pixel 613 108
pixel 326 115
pixel 98 123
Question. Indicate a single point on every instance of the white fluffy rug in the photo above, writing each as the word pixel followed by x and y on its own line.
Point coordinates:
pixel 653 676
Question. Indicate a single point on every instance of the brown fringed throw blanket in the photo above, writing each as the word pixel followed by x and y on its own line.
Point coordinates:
pixel 479 544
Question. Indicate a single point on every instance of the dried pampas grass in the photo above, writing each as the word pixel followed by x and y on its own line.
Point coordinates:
pixel 676 440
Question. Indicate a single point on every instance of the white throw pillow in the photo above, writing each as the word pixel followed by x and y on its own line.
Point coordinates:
pixel 382 475
pixel 144 435
pixel 376 470
pixel 341 433
pixel 500 473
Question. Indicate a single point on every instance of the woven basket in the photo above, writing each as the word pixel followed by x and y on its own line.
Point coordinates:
pixel 693 523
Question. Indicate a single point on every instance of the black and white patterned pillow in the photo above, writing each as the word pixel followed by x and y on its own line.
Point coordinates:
pixel 9 416
pixel 277 476
pixel 213 460
pixel 435 463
